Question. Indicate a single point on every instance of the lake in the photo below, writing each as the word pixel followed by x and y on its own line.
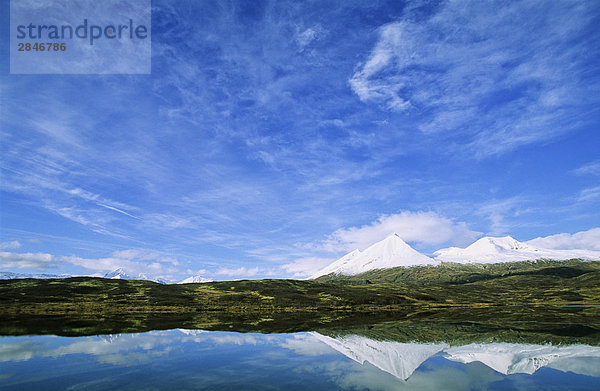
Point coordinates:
pixel 214 360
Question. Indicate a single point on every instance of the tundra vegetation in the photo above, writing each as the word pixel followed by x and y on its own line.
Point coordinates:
pixel 538 301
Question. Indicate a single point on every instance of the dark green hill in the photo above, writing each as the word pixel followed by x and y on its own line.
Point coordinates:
pixel 456 273
pixel 526 296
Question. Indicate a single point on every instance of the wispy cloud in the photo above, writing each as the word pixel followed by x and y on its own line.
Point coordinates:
pixel 500 213
pixel 12 245
pixel 479 75
pixel 591 168
pixel 260 130
pixel 307 36
pixel 238 272
pixel 589 194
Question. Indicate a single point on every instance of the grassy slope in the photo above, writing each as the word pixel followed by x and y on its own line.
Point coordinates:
pixel 455 273
pixel 532 294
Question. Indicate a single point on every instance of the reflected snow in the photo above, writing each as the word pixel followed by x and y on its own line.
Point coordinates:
pixel 197 359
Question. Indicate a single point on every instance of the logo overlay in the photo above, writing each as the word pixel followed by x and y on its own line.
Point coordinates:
pixel 80 37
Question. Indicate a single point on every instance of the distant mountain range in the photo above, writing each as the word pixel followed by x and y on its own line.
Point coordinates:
pixel 117 274
pixel 194 279
pixel 14 276
pixel 120 274
pixel 394 252
pixel 507 249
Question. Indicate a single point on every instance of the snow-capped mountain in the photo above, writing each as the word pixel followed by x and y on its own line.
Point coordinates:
pixel 402 359
pixel 398 359
pixel 390 252
pixel 195 279
pixel 12 276
pixel 336 266
pixel 508 358
pixel 192 333
pixel 394 252
pixel 507 249
pixel 120 274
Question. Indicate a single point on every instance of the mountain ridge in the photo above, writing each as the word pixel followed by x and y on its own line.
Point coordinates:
pixel 13 275
pixel 194 280
pixel 507 249
pixel 486 250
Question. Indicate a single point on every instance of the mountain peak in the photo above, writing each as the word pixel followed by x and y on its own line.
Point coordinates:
pixel 195 279
pixel 118 273
pixel 497 244
pixel 396 358
pixel 387 253
pixel 491 249
pixel 393 236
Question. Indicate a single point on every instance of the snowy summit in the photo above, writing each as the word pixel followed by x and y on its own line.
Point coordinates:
pixel 394 252
pixel 119 274
pixel 507 249
pixel 390 252
pixel 195 279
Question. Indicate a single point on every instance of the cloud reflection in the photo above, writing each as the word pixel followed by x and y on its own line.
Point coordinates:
pixel 350 362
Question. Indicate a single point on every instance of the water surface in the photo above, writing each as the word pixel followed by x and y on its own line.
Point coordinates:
pixel 203 360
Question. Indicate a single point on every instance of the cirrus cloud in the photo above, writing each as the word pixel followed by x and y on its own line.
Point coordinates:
pixel 12 245
pixel 473 71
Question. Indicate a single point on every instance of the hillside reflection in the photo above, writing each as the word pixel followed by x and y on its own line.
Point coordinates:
pixel 340 360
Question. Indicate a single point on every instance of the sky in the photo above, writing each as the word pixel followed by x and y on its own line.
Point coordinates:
pixel 273 137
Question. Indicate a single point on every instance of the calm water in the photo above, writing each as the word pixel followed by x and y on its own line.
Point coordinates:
pixel 199 360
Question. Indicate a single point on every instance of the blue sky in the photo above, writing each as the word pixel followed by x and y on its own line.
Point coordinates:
pixel 273 137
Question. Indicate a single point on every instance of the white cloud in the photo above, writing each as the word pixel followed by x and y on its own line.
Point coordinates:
pixel 121 353
pixel 427 228
pixel 168 221
pixel 388 50
pixel 238 272
pixel 591 168
pixel 306 267
pixel 306 345
pixel 40 261
pixel 134 262
pixel 498 212
pixel 584 240
pixel 589 194
pixel 307 36
pixel 12 245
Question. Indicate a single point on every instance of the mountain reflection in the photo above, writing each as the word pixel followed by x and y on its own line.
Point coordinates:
pixel 402 359
pixel 334 361
pixel 396 358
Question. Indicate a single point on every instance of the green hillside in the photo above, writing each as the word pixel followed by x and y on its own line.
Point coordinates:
pixel 533 296
pixel 456 273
